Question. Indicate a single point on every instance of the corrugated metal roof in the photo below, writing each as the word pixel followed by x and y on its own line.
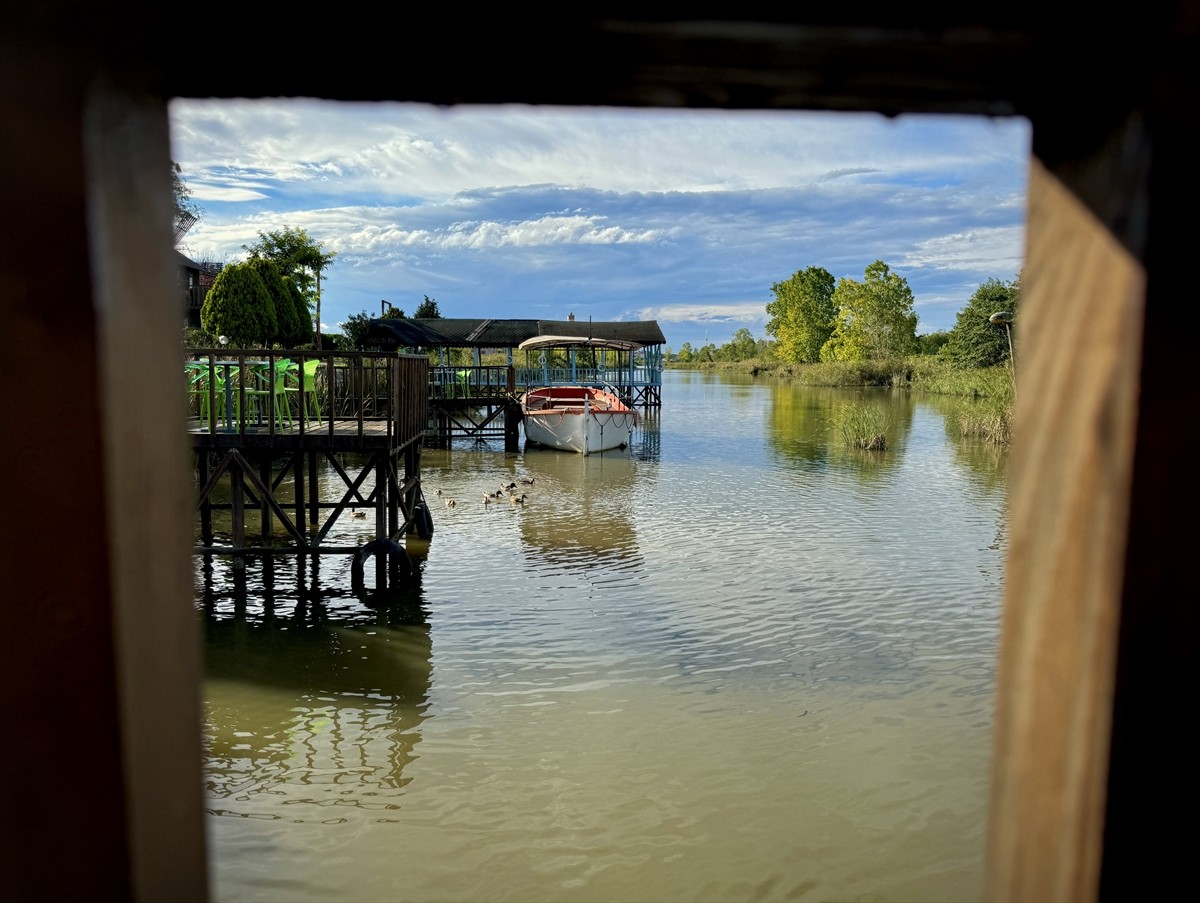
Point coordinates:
pixel 643 332
pixel 395 332
pixel 436 332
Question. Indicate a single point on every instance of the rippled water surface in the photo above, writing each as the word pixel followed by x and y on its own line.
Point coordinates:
pixel 733 662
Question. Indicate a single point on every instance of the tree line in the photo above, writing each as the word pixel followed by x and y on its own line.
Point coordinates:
pixel 817 319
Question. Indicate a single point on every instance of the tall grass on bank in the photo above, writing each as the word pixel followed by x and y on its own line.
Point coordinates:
pixel 986 394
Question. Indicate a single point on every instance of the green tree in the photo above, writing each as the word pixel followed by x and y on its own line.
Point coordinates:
pixel 427 309
pixel 299 258
pixel 875 318
pixel 239 307
pixel 686 353
pixel 975 341
pixel 392 313
pixel 355 327
pixel 741 347
pixel 932 342
pixel 304 323
pixel 802 315
pixel 287 326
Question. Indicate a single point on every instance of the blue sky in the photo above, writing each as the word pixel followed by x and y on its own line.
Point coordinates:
pixel 684 217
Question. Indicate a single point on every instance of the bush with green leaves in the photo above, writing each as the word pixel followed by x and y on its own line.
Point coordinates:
pixel 239 307
pixel 975 341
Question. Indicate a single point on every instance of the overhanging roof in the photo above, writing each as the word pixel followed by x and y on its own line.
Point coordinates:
pixel 447 332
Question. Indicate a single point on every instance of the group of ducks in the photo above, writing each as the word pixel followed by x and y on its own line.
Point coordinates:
pixel 508 489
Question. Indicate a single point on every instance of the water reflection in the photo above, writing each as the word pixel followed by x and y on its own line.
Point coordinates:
pixel 803 427
pixel 580 514
pixel 730 663
pixel 316 700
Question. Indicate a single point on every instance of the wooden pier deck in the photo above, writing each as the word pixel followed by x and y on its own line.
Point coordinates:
pixel 266 462
pixel 258 455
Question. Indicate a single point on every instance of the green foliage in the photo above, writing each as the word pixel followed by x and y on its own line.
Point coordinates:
pixel 391 313
pixel 427 309
pixel 239 307
pixel 861 425
pixel 741 347
pixel 297 256
pixel 875 318
pixel 988 418
pixel 354 331
pixel 686 353
pixel 287 326
pixel 304 323
pixel 932 342
pixel 194 337
pixel 975 341
pixel 802 315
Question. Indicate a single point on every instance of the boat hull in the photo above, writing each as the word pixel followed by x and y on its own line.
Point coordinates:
pixel 580 419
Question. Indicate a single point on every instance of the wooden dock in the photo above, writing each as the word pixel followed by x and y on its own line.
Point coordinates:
pixel 373 405
pixel 258 455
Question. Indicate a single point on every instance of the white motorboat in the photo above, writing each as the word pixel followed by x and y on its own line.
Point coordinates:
pixel 575 408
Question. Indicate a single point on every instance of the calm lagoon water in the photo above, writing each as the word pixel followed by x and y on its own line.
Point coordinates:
pixel 733 662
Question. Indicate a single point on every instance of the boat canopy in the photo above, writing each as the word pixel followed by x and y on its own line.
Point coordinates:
pixel 563 341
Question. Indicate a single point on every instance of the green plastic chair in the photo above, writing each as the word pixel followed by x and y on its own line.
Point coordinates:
pixel 197 373
pixel 278 388
pixel 306 388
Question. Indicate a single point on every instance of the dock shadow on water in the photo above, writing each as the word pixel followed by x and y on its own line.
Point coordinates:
pixel 310 694
pixel 730 662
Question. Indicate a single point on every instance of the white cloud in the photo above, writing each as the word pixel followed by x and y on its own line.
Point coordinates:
pixel 513 211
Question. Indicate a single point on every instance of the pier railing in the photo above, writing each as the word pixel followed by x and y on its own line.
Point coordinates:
pixel 498 381
pixel 245 392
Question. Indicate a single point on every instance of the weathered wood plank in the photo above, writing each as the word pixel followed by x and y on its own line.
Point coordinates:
pixel 1078 354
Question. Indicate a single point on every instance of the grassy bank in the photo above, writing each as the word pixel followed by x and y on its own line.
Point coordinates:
pixel 987 394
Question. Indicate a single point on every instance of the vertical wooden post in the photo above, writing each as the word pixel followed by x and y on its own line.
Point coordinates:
pixel 314 495
pixel 298 482
pixel 206 534
pixel 1071 476
pixel 237 512
pixel 512 414
pixel 267 516
pixel 147 488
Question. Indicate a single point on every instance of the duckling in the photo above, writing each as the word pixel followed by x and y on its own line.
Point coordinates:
pixel 357 514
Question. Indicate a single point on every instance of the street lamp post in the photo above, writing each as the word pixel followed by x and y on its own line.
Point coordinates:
pixel 1004 318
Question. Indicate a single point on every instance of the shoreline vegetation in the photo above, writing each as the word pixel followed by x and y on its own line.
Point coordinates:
pixel 986 393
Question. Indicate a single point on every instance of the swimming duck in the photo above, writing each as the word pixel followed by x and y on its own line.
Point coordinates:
pixel 528 482
pixel 450 503
pixel 517 499
pixel 357 514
